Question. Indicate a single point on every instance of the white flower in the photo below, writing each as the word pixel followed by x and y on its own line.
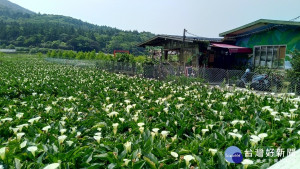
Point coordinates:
pixel 204 131
pixel 235 130
pixel 180 98
pixel 128 108
pixel 19 115
pixel 23 144
pixel 263 135
pixel 212 151
pixel 97 138
pixel 122 119
pixel 164 134
pixel 290 129
pixel 155 130
pixel 141 124
pixel 238 136
pixel 52 166
pixel 127 101
pixel 15 130
pixel 242 122
pixel 115 126
pixel 291 123
pixel 255 137
pixel 247 162
pixel 74 129
pixel 174 138
pixel 141 129
pixel 62 123
pixel 31 121
pixel 48 108
pixel 113 114
pixel 174 154
pixel 69 142
pixel 126 161
pixel 2 152
pixel 292 110
pixel 98 134
pixel 32 149
pixel 166 110
pixel 234 122
pixel 20 135
pixel 232 134
pixel 298 132
pixel 6 119
pixel 188 158
pixel 135 118
pixel 61 139
pixel 78 133
pixel 127 146
pixel 46 128
pixel 274 113
pixel 62 131
pixel 178 106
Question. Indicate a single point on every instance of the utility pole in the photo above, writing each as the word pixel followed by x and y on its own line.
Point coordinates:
pixel 184 31
pixel 182 48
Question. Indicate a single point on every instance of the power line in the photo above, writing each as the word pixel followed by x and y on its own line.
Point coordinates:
pixel 295 18
pixel 193 34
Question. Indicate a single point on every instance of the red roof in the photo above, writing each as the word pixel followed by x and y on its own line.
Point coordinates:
pixel 232 48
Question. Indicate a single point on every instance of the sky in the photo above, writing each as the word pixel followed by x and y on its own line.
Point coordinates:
pixel 205 18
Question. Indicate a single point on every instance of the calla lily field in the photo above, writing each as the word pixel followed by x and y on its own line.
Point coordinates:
pixel 61 116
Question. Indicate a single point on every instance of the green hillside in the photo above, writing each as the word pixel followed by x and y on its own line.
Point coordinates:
pixel 20 27
pixel 12 7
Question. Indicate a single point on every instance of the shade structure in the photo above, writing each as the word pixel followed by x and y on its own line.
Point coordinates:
pixel 232 48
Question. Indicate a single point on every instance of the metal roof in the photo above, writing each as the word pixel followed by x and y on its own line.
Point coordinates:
pixel 257 26
pixel 155 41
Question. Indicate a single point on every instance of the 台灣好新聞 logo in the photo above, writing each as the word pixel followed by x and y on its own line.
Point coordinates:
pixel 233 155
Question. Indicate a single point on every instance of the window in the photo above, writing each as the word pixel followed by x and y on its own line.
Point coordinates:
pixel 269 56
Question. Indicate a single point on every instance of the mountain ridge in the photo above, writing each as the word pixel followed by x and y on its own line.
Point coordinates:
pixel 13 6
pixel 23 28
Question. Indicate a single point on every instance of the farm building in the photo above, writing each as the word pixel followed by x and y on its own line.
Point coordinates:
pixel 260 43
pixel 199 51
pixel 272 41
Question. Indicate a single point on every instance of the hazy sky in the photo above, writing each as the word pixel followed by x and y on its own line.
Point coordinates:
pixel 202 17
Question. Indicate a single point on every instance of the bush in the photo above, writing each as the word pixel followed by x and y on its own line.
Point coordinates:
pixel 140 59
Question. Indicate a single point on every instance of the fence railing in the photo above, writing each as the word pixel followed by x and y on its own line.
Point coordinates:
pixel 270 82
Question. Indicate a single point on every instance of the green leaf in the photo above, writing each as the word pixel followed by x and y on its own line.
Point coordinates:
pixel 222 163
pixel 150 163
pixel 199 162
pixel 90 158
pixel 139 165
pixel 105 155
pixel 122 155
pixel 111 166
pixel 148 146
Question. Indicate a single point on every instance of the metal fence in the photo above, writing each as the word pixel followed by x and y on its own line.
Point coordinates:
pixel 270 82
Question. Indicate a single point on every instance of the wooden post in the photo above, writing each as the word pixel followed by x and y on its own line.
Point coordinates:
pixel 166 55
pixel 162 53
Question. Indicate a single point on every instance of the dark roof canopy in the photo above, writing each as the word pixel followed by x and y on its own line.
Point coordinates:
pixel 257 26
pixel 157 40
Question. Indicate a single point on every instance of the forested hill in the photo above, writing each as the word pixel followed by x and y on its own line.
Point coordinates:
pixel 20 27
